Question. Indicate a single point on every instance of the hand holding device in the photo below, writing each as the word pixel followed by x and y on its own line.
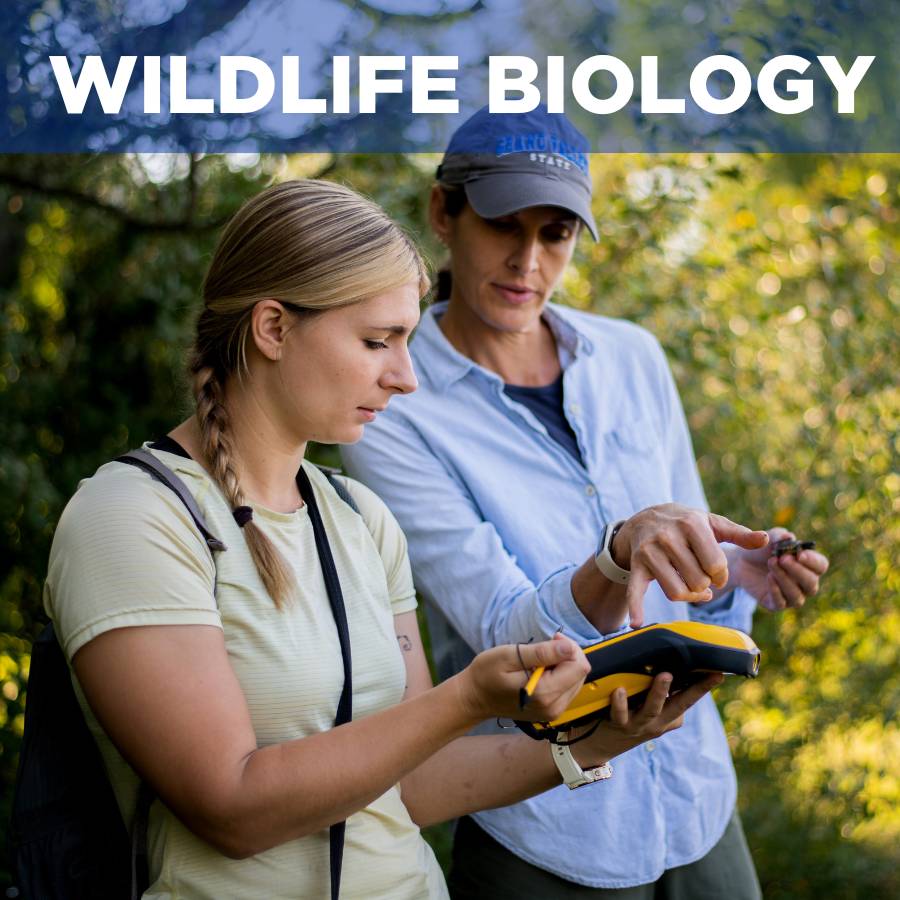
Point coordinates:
pixel 688 651
pixel 676 546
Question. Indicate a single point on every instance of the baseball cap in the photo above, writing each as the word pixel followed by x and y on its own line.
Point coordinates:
pixel 509 161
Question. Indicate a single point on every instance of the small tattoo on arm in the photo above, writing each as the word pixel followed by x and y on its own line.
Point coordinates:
pixel 405 642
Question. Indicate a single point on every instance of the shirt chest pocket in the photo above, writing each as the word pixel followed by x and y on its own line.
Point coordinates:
pixel 637 459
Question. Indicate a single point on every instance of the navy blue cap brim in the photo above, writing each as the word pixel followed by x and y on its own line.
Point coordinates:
pixel 502 193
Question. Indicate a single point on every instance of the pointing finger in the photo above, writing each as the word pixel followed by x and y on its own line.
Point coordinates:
pixel 638 582
pixel 726 530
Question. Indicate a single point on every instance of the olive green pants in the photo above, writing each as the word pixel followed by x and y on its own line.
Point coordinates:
pixel 483 869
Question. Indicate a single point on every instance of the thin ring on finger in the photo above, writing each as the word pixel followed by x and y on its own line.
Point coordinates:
pixel 521 661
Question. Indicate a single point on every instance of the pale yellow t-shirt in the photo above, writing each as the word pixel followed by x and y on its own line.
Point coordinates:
pixel 126 553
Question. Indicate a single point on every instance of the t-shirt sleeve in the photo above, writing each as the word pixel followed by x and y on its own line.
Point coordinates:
pixel 126 552
pixel 391 543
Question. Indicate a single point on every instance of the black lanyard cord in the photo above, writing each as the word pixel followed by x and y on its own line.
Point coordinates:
pixel 345 704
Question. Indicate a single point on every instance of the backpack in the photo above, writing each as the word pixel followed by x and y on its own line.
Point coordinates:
pixel 67 836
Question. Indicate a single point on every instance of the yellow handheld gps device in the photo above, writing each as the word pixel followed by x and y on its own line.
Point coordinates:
pixel 687 650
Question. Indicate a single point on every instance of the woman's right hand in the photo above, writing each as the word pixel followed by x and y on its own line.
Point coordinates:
pixel 490 684
pixel 626 728
pixel 678 547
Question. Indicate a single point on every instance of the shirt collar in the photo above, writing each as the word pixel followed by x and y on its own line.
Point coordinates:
pixel 572 340
pixel 446 365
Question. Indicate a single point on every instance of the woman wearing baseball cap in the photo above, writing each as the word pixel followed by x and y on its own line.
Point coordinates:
pixel 544 476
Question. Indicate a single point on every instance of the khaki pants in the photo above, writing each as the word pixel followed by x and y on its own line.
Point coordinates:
pixel 482 869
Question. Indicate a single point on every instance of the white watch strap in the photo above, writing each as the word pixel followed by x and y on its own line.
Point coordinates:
pixel 572 774
pixel 604 559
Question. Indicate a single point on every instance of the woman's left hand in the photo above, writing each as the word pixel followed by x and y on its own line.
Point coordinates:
pixel 779 582
pixel 627 728
pixel 491 684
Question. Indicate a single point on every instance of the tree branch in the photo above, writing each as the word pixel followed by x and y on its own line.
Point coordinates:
pixel 185 223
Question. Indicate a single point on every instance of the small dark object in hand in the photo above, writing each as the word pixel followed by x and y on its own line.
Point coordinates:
pixel 789 545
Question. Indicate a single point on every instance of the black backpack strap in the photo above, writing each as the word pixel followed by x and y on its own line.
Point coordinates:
pixel 336 599
pixel 145 460
pixel 339 487
pixel 140 868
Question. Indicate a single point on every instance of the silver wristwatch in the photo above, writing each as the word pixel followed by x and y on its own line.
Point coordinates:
pixel 604 559
pixel 572 774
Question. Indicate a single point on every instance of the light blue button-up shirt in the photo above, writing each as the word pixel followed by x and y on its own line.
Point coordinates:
pixel 499 517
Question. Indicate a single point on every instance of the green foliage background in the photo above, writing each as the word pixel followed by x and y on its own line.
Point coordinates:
pixel 772 283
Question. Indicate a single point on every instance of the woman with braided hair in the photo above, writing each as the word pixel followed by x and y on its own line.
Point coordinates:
pixel 214 677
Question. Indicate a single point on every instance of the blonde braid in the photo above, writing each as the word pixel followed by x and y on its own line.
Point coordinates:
pixel 212 418
pixel 315 246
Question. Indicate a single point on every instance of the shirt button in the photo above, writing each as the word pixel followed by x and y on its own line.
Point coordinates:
pixel 574 409
pixel 590 490
pixel 650 746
